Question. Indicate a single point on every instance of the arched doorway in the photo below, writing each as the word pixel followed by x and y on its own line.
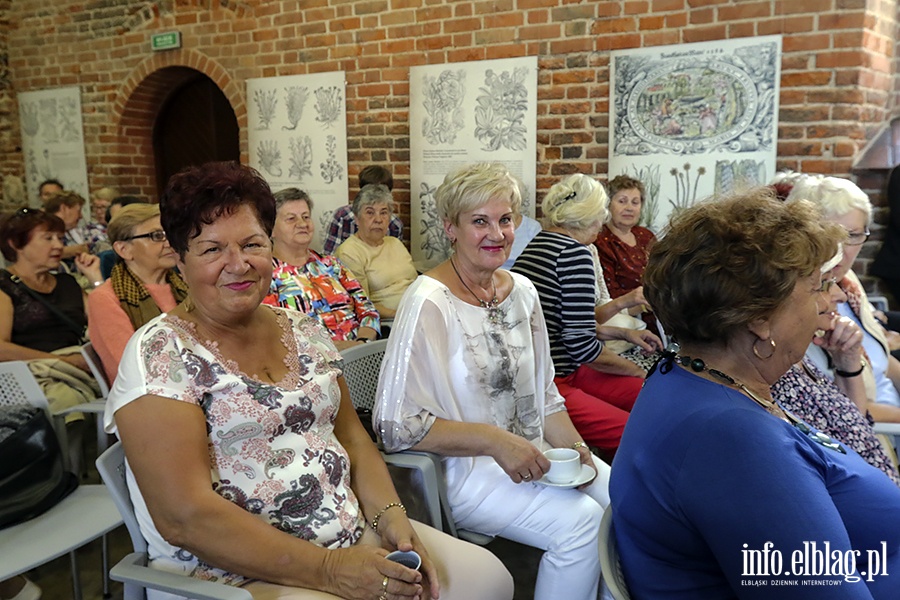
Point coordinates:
pixel 195 124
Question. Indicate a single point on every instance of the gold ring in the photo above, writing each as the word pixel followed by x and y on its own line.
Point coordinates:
pixel 384 583
pixel 527 477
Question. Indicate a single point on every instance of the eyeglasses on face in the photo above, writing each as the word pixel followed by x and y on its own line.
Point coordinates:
pixel 826 285
pixel 157 236
pixel 857 238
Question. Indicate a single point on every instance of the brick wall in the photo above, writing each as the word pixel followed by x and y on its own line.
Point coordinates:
pixel 837 69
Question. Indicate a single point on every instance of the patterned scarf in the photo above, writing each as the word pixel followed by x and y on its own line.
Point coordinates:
pixel 134 297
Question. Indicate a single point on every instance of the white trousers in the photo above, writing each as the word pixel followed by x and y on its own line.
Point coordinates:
pixel 565 523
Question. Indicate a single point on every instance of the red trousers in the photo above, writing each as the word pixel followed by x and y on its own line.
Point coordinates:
pixel 599 404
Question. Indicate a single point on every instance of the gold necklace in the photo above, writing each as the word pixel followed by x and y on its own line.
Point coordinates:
pixel 495 315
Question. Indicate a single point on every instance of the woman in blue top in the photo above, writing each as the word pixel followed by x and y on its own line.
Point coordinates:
pixel 717 492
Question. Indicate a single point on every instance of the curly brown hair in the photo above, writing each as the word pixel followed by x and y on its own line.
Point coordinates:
pixel 725 263
pixel 197 196
pixel 624 182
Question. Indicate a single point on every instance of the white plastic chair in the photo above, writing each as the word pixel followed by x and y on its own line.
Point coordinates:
pixel 132 570
pixel 362 367
pixel 613 577
pixel 96 366
pixel 85 515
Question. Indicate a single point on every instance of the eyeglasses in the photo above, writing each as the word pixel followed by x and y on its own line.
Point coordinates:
pixel 826 285
pixel 157 236
pixel 857 238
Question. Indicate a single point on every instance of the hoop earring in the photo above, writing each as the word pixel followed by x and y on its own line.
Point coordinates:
pixel 771 348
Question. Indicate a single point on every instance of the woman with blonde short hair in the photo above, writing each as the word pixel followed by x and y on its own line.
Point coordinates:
pixel 599 388
pixel 143 283
pixel 467 374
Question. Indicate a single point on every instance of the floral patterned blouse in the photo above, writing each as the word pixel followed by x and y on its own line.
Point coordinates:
pixel 272 448
pixel 810 395
pixel 326 290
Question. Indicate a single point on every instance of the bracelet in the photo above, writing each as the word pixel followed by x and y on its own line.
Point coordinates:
pixel 384 510
pixel 578 445
pixel 862 365
pixel 97 284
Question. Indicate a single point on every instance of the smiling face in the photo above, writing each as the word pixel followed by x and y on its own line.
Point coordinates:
pixel 43 251
pixel 228 266
pixel 794 323
pixel 854 222
pixel 144 257
pixel 485 235
pixel 372 222
pixel 293 225
pixel 625 208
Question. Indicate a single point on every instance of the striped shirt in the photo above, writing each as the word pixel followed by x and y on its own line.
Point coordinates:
pixel 562 271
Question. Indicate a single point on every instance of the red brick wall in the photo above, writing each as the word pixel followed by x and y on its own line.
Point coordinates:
pixel 836 89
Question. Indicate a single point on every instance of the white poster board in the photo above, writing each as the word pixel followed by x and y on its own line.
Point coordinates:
pixel 297 134
pixel 53 141
pixel 461 113
pixel 694 120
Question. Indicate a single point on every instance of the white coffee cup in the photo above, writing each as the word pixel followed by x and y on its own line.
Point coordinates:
pixel 408 559
pixel 565 465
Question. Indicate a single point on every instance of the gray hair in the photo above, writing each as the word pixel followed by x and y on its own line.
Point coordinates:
pixel 472 186
pixel 373 193
pixel 577 203
pixel 834 196
pixel 290 195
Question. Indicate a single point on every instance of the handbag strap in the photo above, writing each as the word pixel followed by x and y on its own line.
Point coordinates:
pixel 69 323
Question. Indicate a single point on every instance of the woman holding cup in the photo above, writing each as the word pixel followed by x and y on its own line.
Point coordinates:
pixel 469 376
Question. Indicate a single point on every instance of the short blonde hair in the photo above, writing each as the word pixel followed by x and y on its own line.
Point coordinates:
pixel 577 202
pixel 834 196
pixel 105 193
pixel 472 186
pixel 128 219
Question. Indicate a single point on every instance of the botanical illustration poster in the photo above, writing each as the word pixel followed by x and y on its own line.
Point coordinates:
pixel 461 113
pixel 53 141
pixel 297 134
pixel 694 120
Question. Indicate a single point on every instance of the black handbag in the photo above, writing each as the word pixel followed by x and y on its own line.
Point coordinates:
pixel 33 478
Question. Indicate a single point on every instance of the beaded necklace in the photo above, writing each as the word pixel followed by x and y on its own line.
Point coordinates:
pixel 697 365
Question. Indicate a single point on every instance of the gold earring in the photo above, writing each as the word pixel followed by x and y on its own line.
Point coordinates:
pixel 771 348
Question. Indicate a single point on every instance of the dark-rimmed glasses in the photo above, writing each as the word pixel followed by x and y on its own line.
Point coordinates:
pixel 157 236
pixel 857 238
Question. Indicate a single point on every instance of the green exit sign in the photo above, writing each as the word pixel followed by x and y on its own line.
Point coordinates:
pixel 165 41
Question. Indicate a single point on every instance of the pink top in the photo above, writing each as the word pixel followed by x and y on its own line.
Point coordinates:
pixel 110 328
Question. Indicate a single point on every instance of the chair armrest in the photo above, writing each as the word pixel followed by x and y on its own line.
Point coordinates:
pixel 887 428
pixel 424 463
pixel 132 569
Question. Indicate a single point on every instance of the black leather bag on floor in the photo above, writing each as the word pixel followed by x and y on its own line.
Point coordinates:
pixel 33 478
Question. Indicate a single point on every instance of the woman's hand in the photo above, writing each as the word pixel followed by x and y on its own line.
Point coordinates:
pixel 843 341
pixel 359 572
pixel 518 457
pixel 397 533
pixel 89 266
pixel 76 360
pixel 634 300
pixel 643 338
pixel 587 459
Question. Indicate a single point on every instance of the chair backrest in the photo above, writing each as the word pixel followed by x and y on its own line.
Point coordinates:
pixel 18 386
pixel 111 466
pixel 96 366
pixel 613 576
pixel 362 366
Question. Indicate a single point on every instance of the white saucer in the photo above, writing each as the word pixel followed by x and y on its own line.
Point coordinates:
pixel 587 473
